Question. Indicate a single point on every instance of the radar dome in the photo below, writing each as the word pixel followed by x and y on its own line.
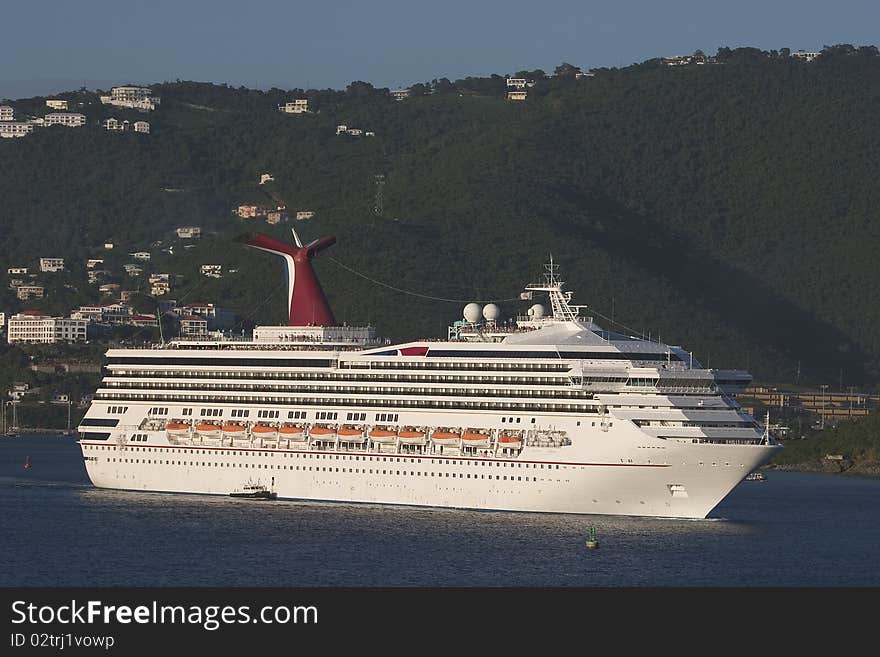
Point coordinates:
pixel 536 311
pixel 491 312
pixel 473 312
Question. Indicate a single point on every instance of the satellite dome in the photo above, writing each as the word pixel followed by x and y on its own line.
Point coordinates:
pixel 491 312
pixel 536 311
pixel 473 312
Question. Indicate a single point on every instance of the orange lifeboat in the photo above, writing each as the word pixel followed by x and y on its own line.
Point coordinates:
pixel 263 429
pixel 383 436
pixel 322 431
pixel 411 437
pixel 474 439
pixel 207 428
pixel 351 435
pixel 512 442
pixel 233 428
pixel 177 427
pixel 445 437
pixel 293 432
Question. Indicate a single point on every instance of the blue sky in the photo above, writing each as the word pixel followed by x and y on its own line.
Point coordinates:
pixel 259 43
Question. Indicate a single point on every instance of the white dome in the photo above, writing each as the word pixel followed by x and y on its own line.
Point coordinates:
pixel 473 312
pixel 536 311
pixel 491 312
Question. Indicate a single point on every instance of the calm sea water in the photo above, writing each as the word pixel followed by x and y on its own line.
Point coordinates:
pixel 57 530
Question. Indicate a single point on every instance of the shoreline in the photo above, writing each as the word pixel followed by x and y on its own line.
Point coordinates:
pixel 846 468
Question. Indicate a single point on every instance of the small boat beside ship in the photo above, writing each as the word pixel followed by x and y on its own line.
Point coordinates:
pixel 254 492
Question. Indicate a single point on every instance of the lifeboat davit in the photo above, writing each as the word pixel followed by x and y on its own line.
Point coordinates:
pixel 510 442
pixel 208 428
pixel 445 437
pixel 475 439
pixel 383 436
pixel 177 428
pixel 411 437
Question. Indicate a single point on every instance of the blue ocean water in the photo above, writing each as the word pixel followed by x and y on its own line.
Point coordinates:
pixel 57 530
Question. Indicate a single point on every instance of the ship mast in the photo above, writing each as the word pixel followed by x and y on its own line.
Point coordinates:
pixel 560 302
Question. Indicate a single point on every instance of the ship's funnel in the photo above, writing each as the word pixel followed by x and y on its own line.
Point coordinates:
pixel 306 305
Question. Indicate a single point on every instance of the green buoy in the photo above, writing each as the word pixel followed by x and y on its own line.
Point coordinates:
pixel 592 541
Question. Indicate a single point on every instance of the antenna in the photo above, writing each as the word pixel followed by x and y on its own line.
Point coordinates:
pixel 296 239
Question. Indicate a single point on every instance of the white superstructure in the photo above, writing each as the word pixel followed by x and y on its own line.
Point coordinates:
pixel 553 414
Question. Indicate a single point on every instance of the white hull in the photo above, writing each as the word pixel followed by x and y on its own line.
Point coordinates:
pixel 687 481
pixel 607 423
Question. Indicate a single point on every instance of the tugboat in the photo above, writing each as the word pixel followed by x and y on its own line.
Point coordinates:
pixel 756 475
pixel 253 491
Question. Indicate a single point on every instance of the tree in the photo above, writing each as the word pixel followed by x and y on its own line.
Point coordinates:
pixel 359 89
pixel 566 70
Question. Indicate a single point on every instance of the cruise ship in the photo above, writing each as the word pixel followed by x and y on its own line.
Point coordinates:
pixel 545 413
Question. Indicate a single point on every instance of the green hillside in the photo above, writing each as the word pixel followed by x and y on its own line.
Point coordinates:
pixel 731 208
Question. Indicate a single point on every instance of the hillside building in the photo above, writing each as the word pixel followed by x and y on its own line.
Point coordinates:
pixel 517 95
pixel 189 232
pixel 139 98
pixel 51 264
pixel 142 127
pixel 57 104
pixel 114 125
pixel 192 326
pixel 805 55
pixel 6 113
pixel 25 292
pixel 67 120
pixel 15 129
pixel 35 327
pixel 400 94
pixel 217 318
pixel 298 106
pixel 211 271
pixel 250 211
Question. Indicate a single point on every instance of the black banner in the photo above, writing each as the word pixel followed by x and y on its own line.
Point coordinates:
pixel 135 620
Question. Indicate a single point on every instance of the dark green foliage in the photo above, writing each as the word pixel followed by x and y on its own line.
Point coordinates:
pixel 856 440
pixel 730 208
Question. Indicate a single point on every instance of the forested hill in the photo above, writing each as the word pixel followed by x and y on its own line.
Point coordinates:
pixel 731 207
